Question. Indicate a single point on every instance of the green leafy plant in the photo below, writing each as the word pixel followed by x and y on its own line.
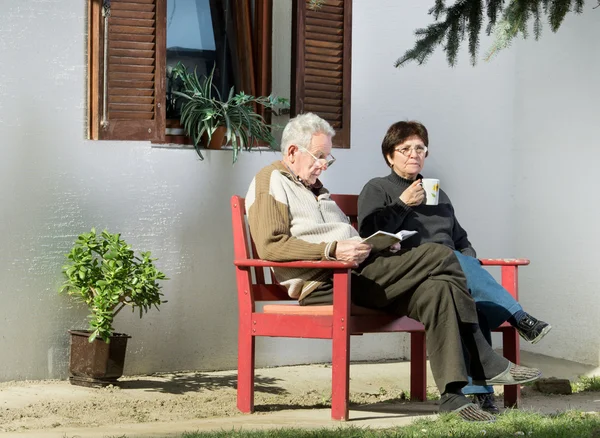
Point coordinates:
pixel 203 111
pixel 104 273
pixel 586 383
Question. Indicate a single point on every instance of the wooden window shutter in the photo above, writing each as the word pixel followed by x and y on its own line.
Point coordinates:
pixel 321 63
pixel 126 69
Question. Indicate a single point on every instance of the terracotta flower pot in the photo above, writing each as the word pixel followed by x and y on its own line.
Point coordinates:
pixel 218 138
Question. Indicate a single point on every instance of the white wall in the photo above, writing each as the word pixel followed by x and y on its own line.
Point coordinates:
pixel 54 185
pixel 556 189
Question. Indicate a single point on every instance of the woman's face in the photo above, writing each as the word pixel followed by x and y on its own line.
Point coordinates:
pixel 408 166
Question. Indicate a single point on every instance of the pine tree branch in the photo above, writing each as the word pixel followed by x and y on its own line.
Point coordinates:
pixel 452 24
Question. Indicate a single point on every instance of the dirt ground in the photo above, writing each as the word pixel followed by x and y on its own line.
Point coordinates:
pixel 187 396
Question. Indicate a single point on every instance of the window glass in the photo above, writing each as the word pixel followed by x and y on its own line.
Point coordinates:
pixel 194 37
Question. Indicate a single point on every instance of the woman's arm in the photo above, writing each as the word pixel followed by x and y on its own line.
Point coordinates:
pixel 377 211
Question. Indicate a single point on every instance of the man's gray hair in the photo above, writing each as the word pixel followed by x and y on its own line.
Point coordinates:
pixel 300 129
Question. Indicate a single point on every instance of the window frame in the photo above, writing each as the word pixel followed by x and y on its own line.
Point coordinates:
pixel 259 75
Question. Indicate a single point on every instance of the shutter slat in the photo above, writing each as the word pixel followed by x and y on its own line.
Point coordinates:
pixel 133 22
pixel 132 14
pixel 324 73
pixel 339 4
pixel 336 45
pixel 128 30
pixel 118 39
pixel 337 25
pixel 332 88
pixel 328 10
pixel 131 61
pixel 130 68
pixel 135 2
pixel 325 66
pixel 131 45
pixel 128 98
pixel 128 6
pixel 322 30
pixel 329 38
pixel 325 52
pixel 131 106
pixel 118 84
pixel 322 15
pixel 332 6
pixel 124 76
pixel 319 58
pixel 323 94
pixel 130 115
pixel 131 53
pixel 323 101
pixel 323 80
pixel 133 91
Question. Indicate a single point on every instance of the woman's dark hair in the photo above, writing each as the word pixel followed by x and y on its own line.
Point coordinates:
pixel 398 133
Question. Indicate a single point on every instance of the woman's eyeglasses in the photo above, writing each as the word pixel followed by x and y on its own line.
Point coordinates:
pixel 406 151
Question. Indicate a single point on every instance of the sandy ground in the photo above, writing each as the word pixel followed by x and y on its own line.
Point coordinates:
pixel 186 396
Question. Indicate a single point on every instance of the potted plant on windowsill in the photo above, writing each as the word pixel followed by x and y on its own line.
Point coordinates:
pixel 206 117
pixel 104 273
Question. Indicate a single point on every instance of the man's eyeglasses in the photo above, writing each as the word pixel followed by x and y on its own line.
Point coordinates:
pixel 327 162
pixel 406 151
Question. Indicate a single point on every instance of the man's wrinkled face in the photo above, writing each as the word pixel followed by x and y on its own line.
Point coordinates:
pixel 308 163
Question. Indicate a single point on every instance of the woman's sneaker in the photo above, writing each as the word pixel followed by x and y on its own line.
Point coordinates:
pixel 487 402
pixel 532 329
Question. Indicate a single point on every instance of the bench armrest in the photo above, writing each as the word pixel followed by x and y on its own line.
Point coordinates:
pixel 322 264
pixel 504 262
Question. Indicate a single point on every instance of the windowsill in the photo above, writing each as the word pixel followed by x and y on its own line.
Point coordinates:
pixel 223 148
pixel 175 138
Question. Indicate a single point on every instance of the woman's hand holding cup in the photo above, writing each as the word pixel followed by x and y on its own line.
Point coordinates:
pixel 414 195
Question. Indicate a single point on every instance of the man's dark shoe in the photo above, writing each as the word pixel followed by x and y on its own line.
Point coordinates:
pixel 461 405
pixel 487 402
pixel 532 329
pixel 472 412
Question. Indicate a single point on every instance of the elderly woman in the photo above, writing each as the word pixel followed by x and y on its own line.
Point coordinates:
pixel 397 201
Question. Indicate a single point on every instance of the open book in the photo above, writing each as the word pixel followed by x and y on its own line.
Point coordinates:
pixel 382 239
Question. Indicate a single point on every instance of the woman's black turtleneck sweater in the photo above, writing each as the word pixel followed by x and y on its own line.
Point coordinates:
pixel 380 208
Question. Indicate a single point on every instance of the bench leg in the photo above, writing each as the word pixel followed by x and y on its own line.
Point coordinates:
pixel 418 367
pixel 340 375
pixel 510 346
pixel 245 382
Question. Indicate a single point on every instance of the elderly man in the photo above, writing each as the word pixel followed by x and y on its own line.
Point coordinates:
pixel 291 217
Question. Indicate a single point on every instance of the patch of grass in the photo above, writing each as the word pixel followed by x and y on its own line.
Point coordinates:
pixel 512 423
pixel 432 395
pixel 586 384
pixel 111 436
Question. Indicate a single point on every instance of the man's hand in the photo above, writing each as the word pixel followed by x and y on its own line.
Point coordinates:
pixel 395 247
pixel 352 251
pixel 414 195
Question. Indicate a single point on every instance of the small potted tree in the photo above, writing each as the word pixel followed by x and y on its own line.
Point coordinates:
pixel 104 273
pixel 207 117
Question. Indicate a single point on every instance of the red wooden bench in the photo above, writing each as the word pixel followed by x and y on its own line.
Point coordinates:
pixel 336 322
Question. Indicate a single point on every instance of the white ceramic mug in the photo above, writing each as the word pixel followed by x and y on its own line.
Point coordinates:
pixel 432 190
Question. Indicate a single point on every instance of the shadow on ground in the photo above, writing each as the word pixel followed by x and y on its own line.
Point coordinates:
pixel 193 382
